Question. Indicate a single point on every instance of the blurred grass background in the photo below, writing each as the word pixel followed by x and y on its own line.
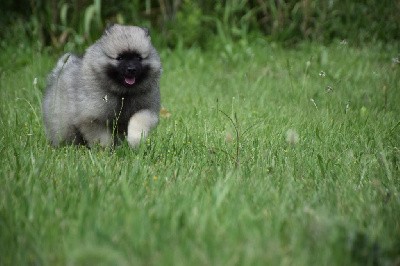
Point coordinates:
pixel 72 24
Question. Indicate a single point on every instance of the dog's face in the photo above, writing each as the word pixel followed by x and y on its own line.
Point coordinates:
pixel 128 69
pixel 123 60
pixel 130 57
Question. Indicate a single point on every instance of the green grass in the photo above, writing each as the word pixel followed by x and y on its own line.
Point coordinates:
pixel 194 194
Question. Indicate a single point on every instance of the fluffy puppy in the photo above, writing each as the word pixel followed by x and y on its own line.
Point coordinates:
pixel 112 92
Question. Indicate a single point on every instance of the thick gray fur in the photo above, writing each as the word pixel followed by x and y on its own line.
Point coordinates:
pixel 83 105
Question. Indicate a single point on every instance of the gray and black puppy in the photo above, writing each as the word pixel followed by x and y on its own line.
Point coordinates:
pixel 110 93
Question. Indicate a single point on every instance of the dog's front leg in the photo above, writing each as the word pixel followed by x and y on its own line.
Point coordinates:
pixel 140 125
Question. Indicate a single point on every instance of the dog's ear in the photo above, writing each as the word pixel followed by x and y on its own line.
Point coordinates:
pixel 108 27
pixel 146 31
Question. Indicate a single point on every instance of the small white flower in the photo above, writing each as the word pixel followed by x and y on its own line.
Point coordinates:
pixel 329 89
pixel 322 74
pixel 292 137
pixel 34 81
pixel 343 42
pixel 228 137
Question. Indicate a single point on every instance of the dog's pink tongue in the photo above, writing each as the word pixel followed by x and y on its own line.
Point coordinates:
pixel 129 81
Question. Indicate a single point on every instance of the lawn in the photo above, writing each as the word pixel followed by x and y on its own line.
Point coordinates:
pixel 263 156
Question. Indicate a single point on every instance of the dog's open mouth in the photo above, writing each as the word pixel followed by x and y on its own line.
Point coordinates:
pixel 129 81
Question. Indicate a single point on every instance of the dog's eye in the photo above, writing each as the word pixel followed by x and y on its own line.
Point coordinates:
pixel 119 58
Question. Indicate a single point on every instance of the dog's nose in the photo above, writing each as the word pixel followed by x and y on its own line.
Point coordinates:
pixel 130 70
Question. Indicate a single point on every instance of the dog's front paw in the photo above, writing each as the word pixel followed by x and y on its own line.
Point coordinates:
pixel 135 138
pixel 139 126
